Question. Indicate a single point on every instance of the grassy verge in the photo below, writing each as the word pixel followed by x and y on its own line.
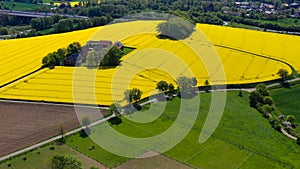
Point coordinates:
pixel 239 25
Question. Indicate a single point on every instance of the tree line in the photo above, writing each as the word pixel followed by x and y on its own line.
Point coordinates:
pixel 105 58
pixel 56 58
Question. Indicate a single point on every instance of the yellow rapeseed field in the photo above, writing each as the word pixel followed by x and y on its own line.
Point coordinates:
pixel 154 59
pixel 22 56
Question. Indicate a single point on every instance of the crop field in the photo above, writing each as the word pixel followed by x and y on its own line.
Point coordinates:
pixel 22 56
pixel 273 45
pixel 23 124
pixel 242 61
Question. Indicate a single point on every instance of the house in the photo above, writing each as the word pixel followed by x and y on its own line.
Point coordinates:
pixel 119 45
pixel 71 60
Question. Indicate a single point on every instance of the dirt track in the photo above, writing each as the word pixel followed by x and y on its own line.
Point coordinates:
pixel 23 124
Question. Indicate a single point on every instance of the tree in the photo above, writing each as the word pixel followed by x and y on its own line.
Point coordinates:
pixel 176 28
pixel 36 23
pixel 85 121
pixel 194 81
pixel 255 98
pixel 262 89
pixel 171 88
pixel 268 100
pixel 133 95
pixel 290 118
pixel 92 60
pixel 240 93
pixel 62 53
pixel 64 25
pixel 74 47
pixel 127 95
pixel 266 109
pixel 49 61
pixel 186 84
pixel 62 139
pixel 115 109
pixel 162 86
pixel 283 74
pixel 3 31
pixel 136 94
pixel 65 162
pixel 112 57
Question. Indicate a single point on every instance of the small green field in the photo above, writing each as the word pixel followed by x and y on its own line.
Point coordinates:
pixel 158 161
pixel 240 25
pixel 19 5
pixel 40 158
pixel 284 22
pixel 243 139
pixel 287 100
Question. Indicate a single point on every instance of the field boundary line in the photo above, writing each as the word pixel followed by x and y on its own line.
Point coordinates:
pixel 200 151
pixel 244 160
pixel 22 77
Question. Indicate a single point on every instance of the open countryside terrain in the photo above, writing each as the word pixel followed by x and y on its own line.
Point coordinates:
pixel 243 139
pixel 234 52
pixel 233 144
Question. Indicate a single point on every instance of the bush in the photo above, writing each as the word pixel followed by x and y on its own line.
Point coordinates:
pixel 115 120
pixel 276 124
pixel 268 100
pixel 176 28
pixel 3 31
pixel 94 168
pixel 52 148
pixel 298 141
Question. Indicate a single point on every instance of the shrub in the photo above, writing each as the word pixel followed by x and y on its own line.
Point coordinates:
pixel 115 120
pixel 94 168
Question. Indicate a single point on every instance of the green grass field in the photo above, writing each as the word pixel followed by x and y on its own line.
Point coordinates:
pixel 243 139
pixel 239 25
pixel 285 22
pixel 40 158
pixel 287 101
pixel 19 5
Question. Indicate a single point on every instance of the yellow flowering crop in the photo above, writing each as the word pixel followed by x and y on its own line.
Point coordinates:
pixel 243 53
